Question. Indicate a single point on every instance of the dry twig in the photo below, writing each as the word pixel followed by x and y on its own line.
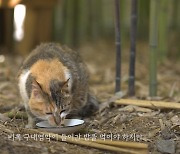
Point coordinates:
pixel 150 104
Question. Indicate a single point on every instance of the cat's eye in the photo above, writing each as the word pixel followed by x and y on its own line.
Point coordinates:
pixel 49 113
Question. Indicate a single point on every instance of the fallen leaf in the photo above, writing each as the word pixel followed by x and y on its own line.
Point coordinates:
pixel 175 120
pixel 149 114
pixel 176 129
pixel 153 133
pixel 106 104
pixel 116 118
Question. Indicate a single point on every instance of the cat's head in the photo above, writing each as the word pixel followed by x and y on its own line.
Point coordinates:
pixel 53 105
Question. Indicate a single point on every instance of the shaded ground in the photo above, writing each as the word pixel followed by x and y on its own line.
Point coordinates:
pixel 152 126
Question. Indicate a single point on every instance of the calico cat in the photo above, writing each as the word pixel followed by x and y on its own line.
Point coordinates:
pixel 53 83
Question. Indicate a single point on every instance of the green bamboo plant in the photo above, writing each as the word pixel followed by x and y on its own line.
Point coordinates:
pixel 118 46
pixel 133 30
pixel 163 29
pixel 153 42
pixel 68 21
pixel 82 20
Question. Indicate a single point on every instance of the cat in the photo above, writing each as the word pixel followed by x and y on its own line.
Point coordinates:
pixel 53 84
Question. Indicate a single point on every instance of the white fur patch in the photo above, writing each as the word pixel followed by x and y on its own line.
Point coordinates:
pixel 68 76
pixel 55 109
pixel 22 86
pixel 63 114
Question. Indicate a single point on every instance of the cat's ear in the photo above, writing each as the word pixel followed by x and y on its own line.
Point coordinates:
pixel 65 84
pixel 37 91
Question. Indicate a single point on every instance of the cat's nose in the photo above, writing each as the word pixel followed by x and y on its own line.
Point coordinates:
pixel 57 119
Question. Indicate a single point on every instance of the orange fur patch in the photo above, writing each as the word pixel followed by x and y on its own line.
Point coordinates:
pixel 37 108
pixel 46 70
pixel 40 108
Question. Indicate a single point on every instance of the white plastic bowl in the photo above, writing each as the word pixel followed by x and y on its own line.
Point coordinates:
pixel 71 126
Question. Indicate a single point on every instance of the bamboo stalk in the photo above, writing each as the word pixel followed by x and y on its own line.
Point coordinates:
pixel 125 22
pixel 118 46
pixel 133 47
pixel 103 145
pixel 68 22
pixel 174 14
pixel 82 21
pixel 178 17
pixel 75 18
pixel 150 104
pixel 58 21
pixel 153 47
pixel 143 9
pixel 100 146
pixel 94 12
pixel 135 145
pixel 163 29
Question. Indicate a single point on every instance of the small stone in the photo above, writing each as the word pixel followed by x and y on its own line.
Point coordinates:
pixel 167 133
pixel 166 146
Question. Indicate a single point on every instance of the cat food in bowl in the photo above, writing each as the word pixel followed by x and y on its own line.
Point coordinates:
pixel 70 126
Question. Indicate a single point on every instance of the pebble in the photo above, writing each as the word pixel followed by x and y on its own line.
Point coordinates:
pixel 166 146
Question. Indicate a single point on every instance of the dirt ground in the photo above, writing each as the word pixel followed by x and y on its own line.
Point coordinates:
pixel 160 129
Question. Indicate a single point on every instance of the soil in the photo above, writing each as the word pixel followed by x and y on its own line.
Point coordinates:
pixel 113 122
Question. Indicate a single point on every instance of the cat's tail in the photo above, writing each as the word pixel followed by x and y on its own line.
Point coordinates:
pixel 91 107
